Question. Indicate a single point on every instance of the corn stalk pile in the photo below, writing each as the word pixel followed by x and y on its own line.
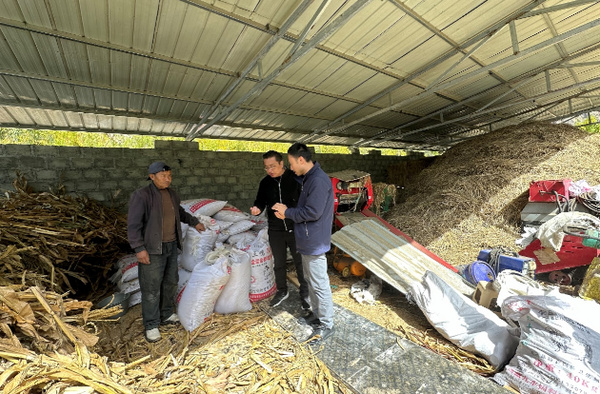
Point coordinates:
pixel 238 353
pixel 51 239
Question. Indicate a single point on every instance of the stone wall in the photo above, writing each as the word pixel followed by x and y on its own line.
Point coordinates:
pixel 110 175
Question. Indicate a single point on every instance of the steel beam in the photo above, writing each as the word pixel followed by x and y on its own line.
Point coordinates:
pixel 259 56
pixel 259 87
pixel 141 92
pixel 499 63
pixel 403 81
pixel 558 7
pixel 519 81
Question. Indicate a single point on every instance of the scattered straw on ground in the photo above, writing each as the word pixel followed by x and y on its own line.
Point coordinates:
pixel 471 196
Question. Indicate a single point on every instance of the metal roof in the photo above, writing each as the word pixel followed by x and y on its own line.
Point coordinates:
pixel 408 74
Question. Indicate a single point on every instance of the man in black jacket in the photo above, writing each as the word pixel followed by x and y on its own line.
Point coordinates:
pixel 280 186
pixel 154 233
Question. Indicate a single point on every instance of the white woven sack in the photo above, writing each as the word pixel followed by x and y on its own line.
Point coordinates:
pixel 184 277
pixel 230 213
pixel 129 287
pixel 184 229
pixel 127 268
pixel 239 227
pixel 223 225
pixel 262 281
pixel 203 206
pixel 235 295
pixel 242 240
pixel 135 298
pixel 198 243
pixel 201 292
pixel 559 348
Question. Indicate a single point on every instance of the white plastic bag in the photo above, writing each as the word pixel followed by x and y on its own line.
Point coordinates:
pixel 198 244
pixel 230 213
pixel 203 206
pixel 201 292
pixel 559 351
pixel 262 282
pixel 235 296
pixel 134 299
pixel 464 323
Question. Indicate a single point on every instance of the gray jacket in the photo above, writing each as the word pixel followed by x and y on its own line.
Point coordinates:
pixel 144 220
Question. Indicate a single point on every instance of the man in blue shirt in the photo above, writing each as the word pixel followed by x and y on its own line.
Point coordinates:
pixel 313 218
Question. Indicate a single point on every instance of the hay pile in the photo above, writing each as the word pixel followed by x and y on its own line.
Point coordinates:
pixel 471 197
pixel 56 241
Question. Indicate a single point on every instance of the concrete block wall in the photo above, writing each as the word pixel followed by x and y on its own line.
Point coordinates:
pixel 110 175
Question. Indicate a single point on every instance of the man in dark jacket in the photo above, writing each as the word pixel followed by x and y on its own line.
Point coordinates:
pixel 280 186
pixel 154 233
pixel 313 217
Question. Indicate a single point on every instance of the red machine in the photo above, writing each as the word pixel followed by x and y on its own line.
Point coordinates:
pixel 353 195
pixel 573 253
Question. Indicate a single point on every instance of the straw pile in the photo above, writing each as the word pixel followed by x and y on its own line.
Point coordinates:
pixel 56 241
pixel 235 353
pixel 471 197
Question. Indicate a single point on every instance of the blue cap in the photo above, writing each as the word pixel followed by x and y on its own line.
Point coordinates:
pixel 157 166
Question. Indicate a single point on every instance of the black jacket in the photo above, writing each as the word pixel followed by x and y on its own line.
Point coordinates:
pixel 144 220
pixel 284 189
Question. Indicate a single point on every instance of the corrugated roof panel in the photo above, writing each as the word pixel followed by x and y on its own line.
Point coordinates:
pixel 133 124
pixel 424 107
pixel 211 85
pixel 21 45
pixel 311 69
pixel 90 121
pixel 157 76
pixel 345 79
pixel 105 122
pixel 65 94
pixel 472 86
pixel 103 99
pixel 459 21
pixel 6 92
pixel 84 96
pixel 150 104
pixel 170 24
pixel 7 61
pixel 157 127
pixel 11 9
pixel 398 95
pixel 119 101
pixel 140 67
pixel 21 116
pixel 77 60
pixel 371 87
pixel 335 108
pixel 120 69
pixel 120 15
pixel 66 15
pixel 143 28
pixel 99 65
pixel 22 88
pixel 57 118
pixel 94 17
pixel 119 123
pixel 420 57
pixel 44 91
pixel 49 52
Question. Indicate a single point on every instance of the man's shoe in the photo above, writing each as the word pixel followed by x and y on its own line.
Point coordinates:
pixel 305 305
pixel 280 296
pixel 153 335
pixel 320 333
pixel 311 319
pixel 173 319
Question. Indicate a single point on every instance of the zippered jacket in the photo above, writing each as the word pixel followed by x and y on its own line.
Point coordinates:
pixel 314 213
pixel 145 219
pixel 284 189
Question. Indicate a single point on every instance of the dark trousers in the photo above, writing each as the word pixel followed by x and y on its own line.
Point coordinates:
pixel 279 242
pixel 158 283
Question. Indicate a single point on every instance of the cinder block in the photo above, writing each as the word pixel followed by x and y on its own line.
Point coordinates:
pixel 18 150
pixel 59 162
pixel 104 163
pixel 93 174
pixel 43 150
pixel 47 175
pixel 82 163
pixel 26 162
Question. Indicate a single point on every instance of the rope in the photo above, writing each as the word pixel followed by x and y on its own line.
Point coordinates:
pixel 588 200
pixel 494 257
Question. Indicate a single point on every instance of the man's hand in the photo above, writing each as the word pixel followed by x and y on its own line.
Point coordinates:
pixel 200 227
pixel 280 210
pixel 143 257
pixel 254 211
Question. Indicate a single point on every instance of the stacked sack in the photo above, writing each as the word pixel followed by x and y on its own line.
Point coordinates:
pixel 126 278
pixel 224 267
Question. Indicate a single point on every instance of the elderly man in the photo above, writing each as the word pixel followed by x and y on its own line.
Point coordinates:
pixel 313 216
pixel 154 233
